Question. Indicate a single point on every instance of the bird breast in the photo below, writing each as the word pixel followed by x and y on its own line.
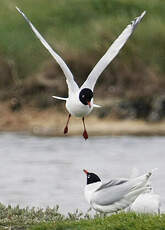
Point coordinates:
pixel 90 189
pixel 76 108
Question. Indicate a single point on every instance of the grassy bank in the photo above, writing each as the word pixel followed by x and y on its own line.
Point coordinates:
pixel 80 28
pixel 50 122
pixel 81 31
pixel 51 219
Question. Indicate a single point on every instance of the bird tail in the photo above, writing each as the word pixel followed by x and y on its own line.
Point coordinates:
pixel 151 172
pixel 96 106
pixel 140 185
pixel 60 98
pixel 135 172
pixel 142 181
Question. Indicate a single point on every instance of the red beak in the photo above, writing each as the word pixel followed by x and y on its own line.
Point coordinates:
pixel 89 103
pixel 86 172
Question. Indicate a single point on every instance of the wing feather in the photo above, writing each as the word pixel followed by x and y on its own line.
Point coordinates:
pixel 69 77
pixel 111 53
pixel 117 190
pixel 111 192
pixel 112 183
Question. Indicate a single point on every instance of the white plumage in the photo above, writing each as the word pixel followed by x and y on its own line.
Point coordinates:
pixel 116 194
pixel 76 104
pixel 148 201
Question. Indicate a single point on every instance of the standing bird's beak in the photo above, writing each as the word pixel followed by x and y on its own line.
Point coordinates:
pixel 89 103
pixel 86 172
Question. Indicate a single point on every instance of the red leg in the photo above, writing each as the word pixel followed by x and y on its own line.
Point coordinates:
pixel 66 127
pixel 85 134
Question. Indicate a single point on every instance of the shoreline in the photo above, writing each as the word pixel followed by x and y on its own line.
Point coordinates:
pixel 49 122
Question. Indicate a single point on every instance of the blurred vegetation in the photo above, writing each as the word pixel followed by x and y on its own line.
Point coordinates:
pixel 50 218
pixel 81 31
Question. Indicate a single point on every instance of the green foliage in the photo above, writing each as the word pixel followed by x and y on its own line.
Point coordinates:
pixel 122 221
pixel 81 26
pixel 51 219
pixel 28 216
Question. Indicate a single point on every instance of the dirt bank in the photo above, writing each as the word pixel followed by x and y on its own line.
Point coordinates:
pixel 51 123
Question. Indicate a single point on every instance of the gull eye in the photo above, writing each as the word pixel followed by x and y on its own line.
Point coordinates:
pixel 89 176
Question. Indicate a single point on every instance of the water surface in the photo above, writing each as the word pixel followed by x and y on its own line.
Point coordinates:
pixel 42 171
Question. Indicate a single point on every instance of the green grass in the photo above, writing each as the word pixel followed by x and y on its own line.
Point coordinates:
pixel 121 221
pixel 51 219
pixel 81 31
pixel 81 26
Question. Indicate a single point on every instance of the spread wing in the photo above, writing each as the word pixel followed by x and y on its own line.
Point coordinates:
pixel 72 86
pixel 111 53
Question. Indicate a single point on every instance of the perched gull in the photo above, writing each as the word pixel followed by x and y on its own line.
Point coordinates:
pixel 80 100
pixel 148 201
pixel 116 194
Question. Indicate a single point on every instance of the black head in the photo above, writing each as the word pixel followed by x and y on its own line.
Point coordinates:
pixel 85 96
pixel 91 177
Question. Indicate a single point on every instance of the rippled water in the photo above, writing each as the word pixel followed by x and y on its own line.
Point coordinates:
pixel 42 171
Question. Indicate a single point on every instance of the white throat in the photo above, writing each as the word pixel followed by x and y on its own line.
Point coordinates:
pixel 90 189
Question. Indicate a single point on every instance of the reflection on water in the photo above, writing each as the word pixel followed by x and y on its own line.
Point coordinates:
pixel 42 171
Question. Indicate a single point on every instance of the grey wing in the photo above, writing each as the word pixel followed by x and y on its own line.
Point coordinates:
pixel 111 192
pixel 69 77
pixel 111 53
pixel 112 183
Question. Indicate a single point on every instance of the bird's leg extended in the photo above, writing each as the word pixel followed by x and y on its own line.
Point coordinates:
pixel 66 127
pixel 85 134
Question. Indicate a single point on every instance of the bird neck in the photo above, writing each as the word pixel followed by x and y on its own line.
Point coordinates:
pixel 90 189
pixel 93 186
